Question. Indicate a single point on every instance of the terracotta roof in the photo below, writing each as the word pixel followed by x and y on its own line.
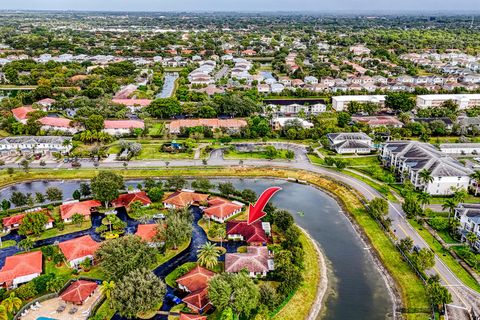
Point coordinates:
pixel 133 102
pixel 125 200
pixel 46 101
pixel 17 219
pixel 78 291
pixel 212 123
pixel 123 124
pixel 196 279
pixel 255 260
pixel 21 113
pixel 82 207
pixel 183 198
pixel 55 122
pixel 197 298
pixel 78 247
pixel 221 208
pixel 250 233
pixel 186 316
pixel 147 231
pixel 21 265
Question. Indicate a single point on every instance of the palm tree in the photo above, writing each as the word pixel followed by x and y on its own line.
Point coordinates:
pixel 424 199
pixel 471 238
pixel 208 255
pixel 425 177
pixel 12 303
pixel 107 288
pixel 459 195
pixel 3 313
pixel 476 176
pixel 450 204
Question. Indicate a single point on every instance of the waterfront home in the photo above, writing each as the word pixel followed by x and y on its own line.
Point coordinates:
pixel 79 249
pixel 125 200
pixel 220 209
pixel 21 268
pixel 14 222
pixel 84 208
pixel 253 234
pixel 257 261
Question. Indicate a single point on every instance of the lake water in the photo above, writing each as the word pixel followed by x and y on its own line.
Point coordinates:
pixel 360 292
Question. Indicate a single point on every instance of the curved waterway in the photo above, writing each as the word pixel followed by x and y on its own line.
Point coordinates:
pixel 357 288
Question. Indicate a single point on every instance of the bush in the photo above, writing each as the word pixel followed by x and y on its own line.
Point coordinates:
pixel 439 223
pixel 26 291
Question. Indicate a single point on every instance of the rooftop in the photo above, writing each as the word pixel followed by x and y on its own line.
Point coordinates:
pixel 21 265
pixel 78 247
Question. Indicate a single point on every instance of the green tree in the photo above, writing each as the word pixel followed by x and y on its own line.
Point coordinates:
pixel 271 152
pixel 26 244
pixel 77 195
pixel 139 291
pixel 107 288
pixel 178 228
pixel 399 101
pixel 378 207
pixel 85 189
pixel 117 257
pixel 425 177
pixel 106 185
pixel 25 164
pixel 33 223
pixel 5 205
pixel 156 194
pixel 3 313
pixel 12 303
pixel 437 293
pixel 449 204
pixel 54 194
pixel 202 184
pixel 249 195
pixel 208 255
pixel 411 207
pixel 406 244
pixel 282 219
pixel 424 199
pixel 18 198
pixel 55 284
pixel 226 188
pixel 78 219
pixel 289 154
pixel 176 182
pixel 39 197
pixel 424 259
pixel 164 108
pixel 235 291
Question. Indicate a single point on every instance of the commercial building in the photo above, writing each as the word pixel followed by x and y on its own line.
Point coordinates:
pixel 340 103
pixel 464 101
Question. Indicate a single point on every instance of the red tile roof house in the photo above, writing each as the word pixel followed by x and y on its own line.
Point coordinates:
pixel 231 125
pixel 78 249
pixel 253 234
pixel 133 104
pixel 186 316
pixel 21 113
pixel 58 124
pixel 46 103
pixel 67 210
pixel 122 127
pixel 147 231
pixel 125 200
pixel 196 283
pixel 184 198
pixel 221 210
pixel 14 222
pixel 79 291
pixel 21 268
pixel 256 261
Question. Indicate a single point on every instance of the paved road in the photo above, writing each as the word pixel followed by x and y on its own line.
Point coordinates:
pixel 463 297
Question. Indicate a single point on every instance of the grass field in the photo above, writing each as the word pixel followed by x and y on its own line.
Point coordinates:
pixel 253 155
pixel 8 243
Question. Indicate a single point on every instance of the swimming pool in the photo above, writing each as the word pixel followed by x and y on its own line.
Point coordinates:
pixel 45 318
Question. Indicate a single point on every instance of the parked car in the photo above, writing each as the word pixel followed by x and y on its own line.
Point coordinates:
pixel 173 298
pixel 159 216
pixel 76 164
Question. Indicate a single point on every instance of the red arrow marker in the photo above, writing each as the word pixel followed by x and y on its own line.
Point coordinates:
pixel 255 212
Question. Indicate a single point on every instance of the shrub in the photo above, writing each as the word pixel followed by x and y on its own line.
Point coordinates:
pixel 26 291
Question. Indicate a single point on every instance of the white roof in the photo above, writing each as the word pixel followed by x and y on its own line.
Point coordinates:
pixel 283 120
pixel 360 98
pixel 449 96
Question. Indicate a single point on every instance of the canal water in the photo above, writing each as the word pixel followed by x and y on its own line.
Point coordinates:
pixel 359 291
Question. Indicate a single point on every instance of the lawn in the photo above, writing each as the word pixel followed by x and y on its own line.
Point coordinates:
pixel 169 254
pixel 69 228
pixel 233 154
pixel 104 312
pixel 156 130
pixel 152 152
pixel 446 257
pixel 8 243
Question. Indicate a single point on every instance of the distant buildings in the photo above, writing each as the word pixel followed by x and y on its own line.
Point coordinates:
pixel 340 103
pixel 84 208
pixel 464 101
pixel 122 127
pixel 468 214
pixel 409 158
pixel 32 144
pixel 294 109
pixel 279 123
pixel 220 209
pixel 184 198
pixel 350 142
pixel 460 148
pixel 229 125
pixel 58 124
pixel 379 121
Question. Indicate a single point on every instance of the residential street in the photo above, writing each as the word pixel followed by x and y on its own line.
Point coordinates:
pixel 463 297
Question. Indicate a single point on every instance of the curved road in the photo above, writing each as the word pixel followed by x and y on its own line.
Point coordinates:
pixel 465 300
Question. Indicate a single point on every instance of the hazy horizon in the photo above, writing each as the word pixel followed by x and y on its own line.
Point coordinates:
pixel 314 6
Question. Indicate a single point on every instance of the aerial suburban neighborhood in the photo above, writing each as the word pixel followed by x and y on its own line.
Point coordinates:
pixel 229 165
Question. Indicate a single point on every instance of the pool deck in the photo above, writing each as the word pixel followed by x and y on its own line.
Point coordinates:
pixel 49 309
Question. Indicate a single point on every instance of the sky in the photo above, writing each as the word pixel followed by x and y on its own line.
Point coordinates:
pixel 245 5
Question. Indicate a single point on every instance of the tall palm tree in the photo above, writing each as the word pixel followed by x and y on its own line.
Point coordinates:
pixel 12 303
pixel 3 313
pixel 425 177
pixel 208 255
pixel 476 177
pixel 424 199
pixel 107 288
pixel 450 204
pixel 459 195
pixel 472 238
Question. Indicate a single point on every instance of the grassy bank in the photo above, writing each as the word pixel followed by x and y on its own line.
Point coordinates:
pixel 411 288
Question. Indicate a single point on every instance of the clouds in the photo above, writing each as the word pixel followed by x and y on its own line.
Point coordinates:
pixel 244 5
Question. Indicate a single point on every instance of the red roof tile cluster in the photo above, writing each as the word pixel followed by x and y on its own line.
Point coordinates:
pixel 17 219
pixel 221 208
pixel 78 291
pixel 78 247
pixel 124 124
pixel 250 233
pixel 82 207
pixel 196 281
pixel 47 101
pixel 21 113
pixel 186 316
pixel 379 120
pixel 181 199
pixel 255 260
pixel 21 265
pixel 55 122
pixel 211 123
pixel 249 52
pixel 147 231
pixel 125 200
pixel 133 102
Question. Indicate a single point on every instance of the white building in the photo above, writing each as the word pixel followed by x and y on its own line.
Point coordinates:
pixel 310 80
pixel 294 108
pixel 409 158
pixel 122 127
pixel 469 216
pixel 279 123
pixel 464 101
pixel 460 148
pixel 21 268
pixel 340 103
pixel 350 142
pixel 58 124
pixel 35 144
